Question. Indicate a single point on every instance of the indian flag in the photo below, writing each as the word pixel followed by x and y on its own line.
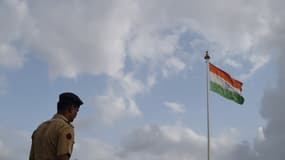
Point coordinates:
pixel 222 83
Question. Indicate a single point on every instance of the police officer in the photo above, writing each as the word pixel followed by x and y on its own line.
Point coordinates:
pixel 54 139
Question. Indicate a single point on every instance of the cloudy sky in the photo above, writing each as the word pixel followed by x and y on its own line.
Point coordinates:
pixel 138 66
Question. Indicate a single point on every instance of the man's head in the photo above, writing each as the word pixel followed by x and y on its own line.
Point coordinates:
pixel 68 105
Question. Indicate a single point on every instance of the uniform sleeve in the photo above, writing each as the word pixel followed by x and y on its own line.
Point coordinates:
pixel 65 141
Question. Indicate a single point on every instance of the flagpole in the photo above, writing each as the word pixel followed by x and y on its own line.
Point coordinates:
pixel 207 58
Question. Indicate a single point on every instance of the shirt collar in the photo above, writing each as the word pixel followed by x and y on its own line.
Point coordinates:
pixel 59 116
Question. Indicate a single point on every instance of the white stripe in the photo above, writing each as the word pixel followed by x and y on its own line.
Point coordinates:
pixel 220 81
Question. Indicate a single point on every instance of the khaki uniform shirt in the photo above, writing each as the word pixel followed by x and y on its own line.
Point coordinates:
pixel 52 138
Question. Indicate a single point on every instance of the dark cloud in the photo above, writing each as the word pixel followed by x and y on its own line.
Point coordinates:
pixel 273 110
pixel 273 102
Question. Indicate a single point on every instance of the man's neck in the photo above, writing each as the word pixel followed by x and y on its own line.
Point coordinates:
pixel 65 115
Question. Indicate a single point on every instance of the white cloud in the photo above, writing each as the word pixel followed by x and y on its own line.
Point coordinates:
pixel 173 65
pixel 127 85
pixel 260 135
pixel 14 144
pixel 257 63
pixel 173 142
pixel 118 101
pixel 175 107
pixel 95 37
pixel 5 152
pixel 80 37
pixel 110 109
pixel 233 63
pixel 12 17
pixel 9 57
pixel 150 45
pixel 92 148
pixel 151 141
pixel 227 24
pixel 151 81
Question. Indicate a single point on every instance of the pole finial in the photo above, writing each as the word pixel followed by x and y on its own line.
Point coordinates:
pixel 207 57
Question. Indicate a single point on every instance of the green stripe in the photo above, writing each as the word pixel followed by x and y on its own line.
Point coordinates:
pixel 234 96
